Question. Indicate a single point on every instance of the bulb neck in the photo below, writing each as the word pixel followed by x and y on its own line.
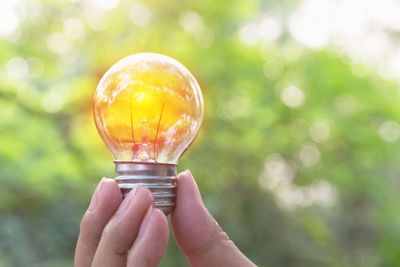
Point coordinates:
pixel 159 178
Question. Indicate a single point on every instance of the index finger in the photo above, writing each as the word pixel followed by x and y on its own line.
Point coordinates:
pixel 105 201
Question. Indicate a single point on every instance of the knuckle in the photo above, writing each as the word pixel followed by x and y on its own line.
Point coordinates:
pixel 224 236
pixel 111 231
pixel 108 230
pixel 142 259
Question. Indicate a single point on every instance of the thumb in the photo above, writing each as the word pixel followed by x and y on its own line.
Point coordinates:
pixel 196 232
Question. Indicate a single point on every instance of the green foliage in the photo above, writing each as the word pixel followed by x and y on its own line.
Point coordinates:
pixel 51 156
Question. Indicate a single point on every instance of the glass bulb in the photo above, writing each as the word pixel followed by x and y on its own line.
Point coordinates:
pixel 148 108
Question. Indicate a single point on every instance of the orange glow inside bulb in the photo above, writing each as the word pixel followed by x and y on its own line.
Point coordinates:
pixel 148 107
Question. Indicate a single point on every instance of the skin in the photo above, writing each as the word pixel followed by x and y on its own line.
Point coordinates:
pixel 130 232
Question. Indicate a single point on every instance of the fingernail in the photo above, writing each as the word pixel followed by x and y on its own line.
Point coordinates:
pixel 145 220
pixel 96 195
pixel 126 202
pixel 188 172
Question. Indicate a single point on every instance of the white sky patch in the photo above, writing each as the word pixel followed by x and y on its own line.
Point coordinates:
pixel 191 21
pixel 319 132
pixel 270 28
pixel 248 34
pixel 359 27
pixel 277 173
pixel 103 4
pixel 389 131
pixel 74 28
pixel 52 102
pixel 309 155
pixel 140 14
pixel 96 19
pixel 11 17
pixel 17 68
pixel 292 96
pixel 59 43
pixel 267 27
pixel 277 178
pixel 57 95
pixel 313 31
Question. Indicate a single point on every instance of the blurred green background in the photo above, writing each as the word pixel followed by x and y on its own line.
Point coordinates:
pixel 298 157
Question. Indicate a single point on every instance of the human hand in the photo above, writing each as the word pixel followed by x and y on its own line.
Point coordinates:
pixel 131 233
pixel 119 233
pixel 196 232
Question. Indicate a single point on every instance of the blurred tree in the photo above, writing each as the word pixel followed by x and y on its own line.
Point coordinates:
pixel 301 151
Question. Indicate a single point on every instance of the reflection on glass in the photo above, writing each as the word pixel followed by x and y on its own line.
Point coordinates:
pixel 148 107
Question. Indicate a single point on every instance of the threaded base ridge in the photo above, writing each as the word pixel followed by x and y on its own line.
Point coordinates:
pixel 160 178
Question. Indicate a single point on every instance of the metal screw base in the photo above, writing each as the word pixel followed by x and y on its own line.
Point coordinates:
pixel 158 177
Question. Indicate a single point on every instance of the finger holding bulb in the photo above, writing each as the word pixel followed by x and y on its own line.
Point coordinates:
pixel 116 232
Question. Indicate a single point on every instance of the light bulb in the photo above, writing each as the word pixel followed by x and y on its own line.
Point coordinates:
pixel 148 109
